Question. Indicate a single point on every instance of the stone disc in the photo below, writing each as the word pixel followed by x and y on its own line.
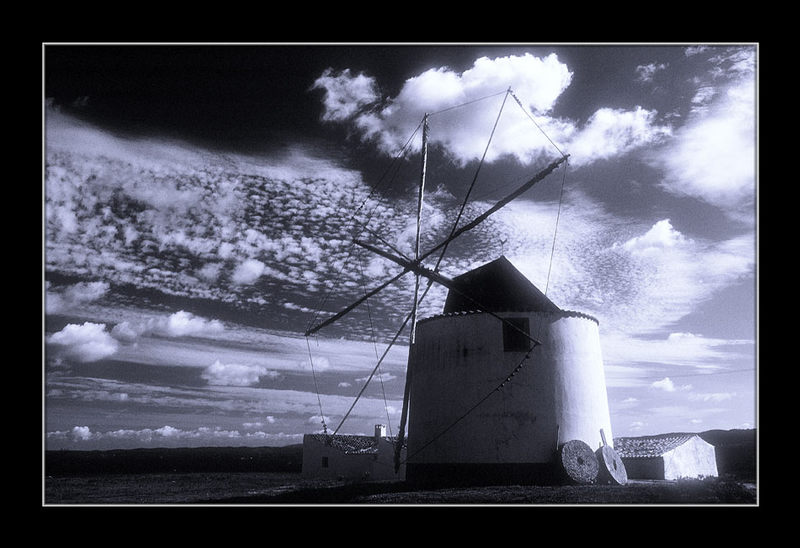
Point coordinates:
pixel 612 469
pixel 578 462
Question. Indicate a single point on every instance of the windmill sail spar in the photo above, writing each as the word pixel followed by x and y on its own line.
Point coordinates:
pixel 404 412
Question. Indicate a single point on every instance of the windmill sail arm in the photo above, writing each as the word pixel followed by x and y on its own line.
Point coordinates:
pixel 347 309
pixel 443 280
pixel 502 203
pixel 409 266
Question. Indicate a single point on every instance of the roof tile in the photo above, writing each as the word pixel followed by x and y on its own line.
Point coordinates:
pixel 650 446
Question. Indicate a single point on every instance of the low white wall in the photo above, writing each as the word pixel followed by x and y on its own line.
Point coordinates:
pixel 693 459
pixel 352 466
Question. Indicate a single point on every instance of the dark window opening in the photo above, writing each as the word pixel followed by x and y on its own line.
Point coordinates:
pixel 324 462
pixel 516 335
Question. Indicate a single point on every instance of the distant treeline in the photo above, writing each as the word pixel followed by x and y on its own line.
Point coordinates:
pixel 180 460
pixel 736 452
pixel 735 449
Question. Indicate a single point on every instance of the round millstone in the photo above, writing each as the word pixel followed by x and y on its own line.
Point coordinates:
pixel 612 469
pixel 579 462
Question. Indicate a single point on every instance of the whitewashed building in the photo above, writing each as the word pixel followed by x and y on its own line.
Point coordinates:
pixel 667 456
pixel 351 457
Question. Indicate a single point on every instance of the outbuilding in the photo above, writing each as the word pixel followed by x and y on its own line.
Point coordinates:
pixel 667 456
pixel 351 457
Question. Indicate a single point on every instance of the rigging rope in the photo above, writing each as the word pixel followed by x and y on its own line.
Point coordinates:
pixel 534 122
pixel 316 388
pixel 383 356
pixel 375 346
pixel 472 184
pixel 555 230
pixel 468 102
pixel 499 387
pixel 352 220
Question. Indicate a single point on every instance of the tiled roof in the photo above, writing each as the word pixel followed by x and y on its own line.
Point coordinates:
pixel 561 313
pixel 350 444
pixel 650 446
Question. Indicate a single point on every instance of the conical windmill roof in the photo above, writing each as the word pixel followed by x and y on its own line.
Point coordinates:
pixel 498 287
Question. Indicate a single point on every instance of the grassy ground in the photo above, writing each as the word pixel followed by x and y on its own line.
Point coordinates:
pixel 290 489
pixel 163 488
pixel 689 492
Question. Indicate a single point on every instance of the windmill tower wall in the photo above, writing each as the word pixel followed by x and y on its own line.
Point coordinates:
pixel 558 395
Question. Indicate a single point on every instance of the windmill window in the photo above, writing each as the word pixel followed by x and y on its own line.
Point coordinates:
pixel 516 335
pixel 324 462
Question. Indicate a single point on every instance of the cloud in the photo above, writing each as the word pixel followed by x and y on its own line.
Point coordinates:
pixel 667 274
pixel 210 272
pixel 537 82
pixel 244 402
pixel 166 432
pixel 319 363
pixel 664 384
pixel 320 420
pixel 81 433
pixel 344 93
pixel 613 132
pixel 165 435
pixel 715 397
pixel 183 323
pixel 248 272
pixel 636 278
pixel 88 342
pixel 382 377
pixel 178 324
pixel 713 156
pixel 234 374
pixel 667 385
pixel 390 121
pixel 662 235
pixel 694 50
pixel 150 213
pixel 645 73
pixel 69 297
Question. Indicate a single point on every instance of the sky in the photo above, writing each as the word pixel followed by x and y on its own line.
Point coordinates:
pixel 200 204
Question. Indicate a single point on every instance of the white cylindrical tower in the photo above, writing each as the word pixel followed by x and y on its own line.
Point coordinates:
pixel 464 429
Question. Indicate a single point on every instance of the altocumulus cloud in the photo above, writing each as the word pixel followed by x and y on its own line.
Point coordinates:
pixel 248 272
pixel 189 222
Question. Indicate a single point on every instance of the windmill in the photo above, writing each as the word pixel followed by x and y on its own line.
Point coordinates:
pixel 415 265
